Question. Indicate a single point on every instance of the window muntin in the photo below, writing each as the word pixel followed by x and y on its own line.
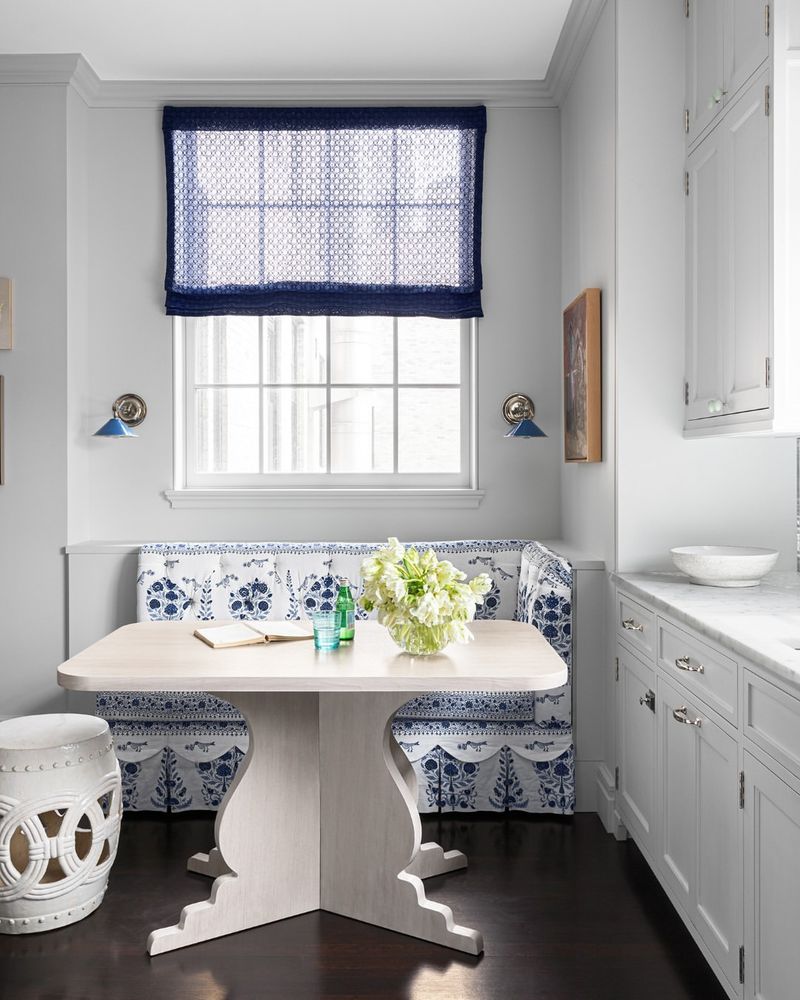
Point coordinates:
pixel 326 402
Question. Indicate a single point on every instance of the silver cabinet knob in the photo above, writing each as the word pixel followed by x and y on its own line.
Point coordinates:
pixel 631 625
pixel 715 406
pixel 716 97
pixel 680 715
pixel 683 663
pixel 649 700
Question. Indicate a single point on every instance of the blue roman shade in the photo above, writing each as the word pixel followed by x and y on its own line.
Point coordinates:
pixel 324 211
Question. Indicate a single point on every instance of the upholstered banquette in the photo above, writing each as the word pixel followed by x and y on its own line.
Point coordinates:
pixel 476 751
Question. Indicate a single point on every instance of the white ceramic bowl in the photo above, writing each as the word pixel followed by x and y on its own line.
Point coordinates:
pixel 724 565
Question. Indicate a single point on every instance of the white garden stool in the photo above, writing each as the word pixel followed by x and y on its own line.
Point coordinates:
pixel 60 807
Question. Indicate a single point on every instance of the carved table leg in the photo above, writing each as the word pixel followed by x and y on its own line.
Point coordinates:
pixel 370 834
pixel 430 859
pixel 267 832
pixel 210 864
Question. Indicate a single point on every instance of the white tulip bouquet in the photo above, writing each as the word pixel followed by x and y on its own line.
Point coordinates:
pixel 424 602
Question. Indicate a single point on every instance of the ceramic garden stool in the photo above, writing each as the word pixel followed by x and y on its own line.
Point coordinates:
pixel 60 808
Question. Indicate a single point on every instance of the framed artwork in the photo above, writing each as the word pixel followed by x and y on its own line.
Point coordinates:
pixel 582 408
pixel 5 315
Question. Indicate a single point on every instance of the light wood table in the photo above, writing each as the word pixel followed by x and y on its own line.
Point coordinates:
pixel 322 812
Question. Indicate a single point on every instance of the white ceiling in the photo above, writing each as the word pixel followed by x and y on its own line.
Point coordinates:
pixel 293 39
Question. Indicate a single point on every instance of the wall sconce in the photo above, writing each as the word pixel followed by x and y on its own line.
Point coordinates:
pixel 518 410
pixel 129 411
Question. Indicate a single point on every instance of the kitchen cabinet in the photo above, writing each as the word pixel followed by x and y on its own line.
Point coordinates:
pixel 636 751
pixel 726 42
pixel 709 788
pixel 728 346
pixel 772 883
pixel 742 183
pixel 699 833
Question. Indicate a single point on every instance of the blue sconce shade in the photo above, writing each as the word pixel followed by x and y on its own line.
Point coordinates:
pixel 115 428
pixel 526 428
pixel 129 411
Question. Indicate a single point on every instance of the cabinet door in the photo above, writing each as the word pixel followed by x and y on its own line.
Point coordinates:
pixel 772 884
pixel 705 62
pixel 677 787
pixel 706 239
pixel 746 41
pixel 748 328
pixel 718 903
pixel 699 835
pixel 637 747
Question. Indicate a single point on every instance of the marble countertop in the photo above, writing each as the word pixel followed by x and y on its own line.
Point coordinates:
pixel 762 623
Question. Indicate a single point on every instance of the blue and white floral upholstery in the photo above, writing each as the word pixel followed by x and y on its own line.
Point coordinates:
pixel 472 751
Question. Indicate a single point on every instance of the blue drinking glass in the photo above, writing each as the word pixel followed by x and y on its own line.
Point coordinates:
pixel 326 629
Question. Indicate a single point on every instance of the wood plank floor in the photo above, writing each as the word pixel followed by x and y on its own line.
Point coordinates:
pixel 567 913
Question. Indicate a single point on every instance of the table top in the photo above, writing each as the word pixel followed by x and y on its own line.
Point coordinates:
pixel 165 656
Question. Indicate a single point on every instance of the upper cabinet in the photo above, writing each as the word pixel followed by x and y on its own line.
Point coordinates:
pixel 742 187
pixel 728 263
pixel 727 41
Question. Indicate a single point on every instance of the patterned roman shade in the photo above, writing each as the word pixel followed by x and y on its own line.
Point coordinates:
pixel 324 211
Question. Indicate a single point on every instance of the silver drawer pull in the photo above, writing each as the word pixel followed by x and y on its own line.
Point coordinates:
pixel 679 715
pixel 631 625
pixel 682 663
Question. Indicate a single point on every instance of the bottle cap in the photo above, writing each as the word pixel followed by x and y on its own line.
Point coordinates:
pixel 343 581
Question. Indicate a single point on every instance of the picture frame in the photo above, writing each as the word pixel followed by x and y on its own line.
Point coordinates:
pixel 6 326
pixel 582 373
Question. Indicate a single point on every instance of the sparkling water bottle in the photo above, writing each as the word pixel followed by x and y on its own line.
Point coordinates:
pixel 346 610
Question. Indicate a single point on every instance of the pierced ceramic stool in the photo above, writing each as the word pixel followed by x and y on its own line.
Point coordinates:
pixel 60 807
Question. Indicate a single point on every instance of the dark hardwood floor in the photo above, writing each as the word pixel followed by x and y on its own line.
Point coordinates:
pixel 567 913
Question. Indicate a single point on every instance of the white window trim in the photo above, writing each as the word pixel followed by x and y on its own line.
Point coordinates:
pixel 334 496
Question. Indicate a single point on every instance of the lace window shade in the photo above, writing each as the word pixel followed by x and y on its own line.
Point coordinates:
pixel 324 211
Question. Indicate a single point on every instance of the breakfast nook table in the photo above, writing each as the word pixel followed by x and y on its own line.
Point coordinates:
pixel 322 813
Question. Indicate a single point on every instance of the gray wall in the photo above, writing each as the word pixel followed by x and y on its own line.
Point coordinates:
pixel 131 347
pixel 83 235
pixel 33 503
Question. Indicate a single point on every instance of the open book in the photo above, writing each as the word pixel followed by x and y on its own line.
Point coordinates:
pixel 248 633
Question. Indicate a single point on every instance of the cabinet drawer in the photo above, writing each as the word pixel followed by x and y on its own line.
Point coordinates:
pixel 636 625
pixel 709 674
pixel 772 720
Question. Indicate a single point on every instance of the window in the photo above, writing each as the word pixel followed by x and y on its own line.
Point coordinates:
pixel 316 401
pixel 325 265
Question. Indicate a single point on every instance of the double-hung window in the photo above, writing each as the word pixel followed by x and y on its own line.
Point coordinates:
pixel 324 264
pixel 314 401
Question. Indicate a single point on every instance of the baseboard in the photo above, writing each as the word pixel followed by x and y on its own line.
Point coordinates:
pixel 605 802
pixel 585 798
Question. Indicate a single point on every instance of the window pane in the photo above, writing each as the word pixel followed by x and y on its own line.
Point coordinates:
pixel 362 349
pixel 361 430
pixel 429 430
pixel 226 349
pixel 429 350
pixel 295 349
pixel 294 430
pixel 227 430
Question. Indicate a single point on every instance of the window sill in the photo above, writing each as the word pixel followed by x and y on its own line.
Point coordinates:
pixel 330 498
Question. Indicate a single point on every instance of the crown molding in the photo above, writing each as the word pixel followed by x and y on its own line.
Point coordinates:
pixel 578 29
pixel 74 70
pixel 38 68
pixel 155 93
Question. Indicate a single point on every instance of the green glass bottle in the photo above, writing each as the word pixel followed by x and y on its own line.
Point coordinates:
pixel 346 610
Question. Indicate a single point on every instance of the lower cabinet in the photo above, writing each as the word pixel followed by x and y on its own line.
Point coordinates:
pixel 636 750
pixel 772 884
pixel 699 829
pixel 709 787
